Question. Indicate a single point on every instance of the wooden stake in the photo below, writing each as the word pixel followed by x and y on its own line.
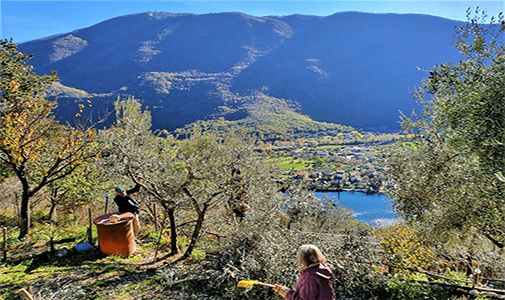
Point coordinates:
pixel 155 217
pixel 90 232
pixel 25 294
pixel 5 244
pixel 106 204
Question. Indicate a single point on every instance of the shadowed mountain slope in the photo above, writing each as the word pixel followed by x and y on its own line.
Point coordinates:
pixel 354 69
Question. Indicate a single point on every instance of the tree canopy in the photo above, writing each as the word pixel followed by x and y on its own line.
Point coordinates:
pixel 37 149
pixel 442 175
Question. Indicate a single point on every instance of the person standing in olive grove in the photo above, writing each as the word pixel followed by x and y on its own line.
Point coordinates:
pixel 126 203
pixel 314 280
pixel 236 192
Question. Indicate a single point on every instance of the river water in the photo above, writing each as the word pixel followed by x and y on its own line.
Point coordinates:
pixel 373 209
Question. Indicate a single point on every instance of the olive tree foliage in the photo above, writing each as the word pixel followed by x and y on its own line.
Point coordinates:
pixel 36 148
pixel 79 189
pixel 442 175
pixel 309 213
pixel 189 178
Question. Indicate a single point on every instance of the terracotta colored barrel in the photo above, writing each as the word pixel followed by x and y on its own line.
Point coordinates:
pixel 116 238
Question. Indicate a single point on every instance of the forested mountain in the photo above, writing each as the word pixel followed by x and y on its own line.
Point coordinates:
pixel 352 68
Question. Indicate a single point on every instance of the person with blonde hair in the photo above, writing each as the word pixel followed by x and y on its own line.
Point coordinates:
pixel 314 280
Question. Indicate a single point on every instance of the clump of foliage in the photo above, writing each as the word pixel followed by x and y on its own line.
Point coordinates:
pixel 404 250
pixel 307 212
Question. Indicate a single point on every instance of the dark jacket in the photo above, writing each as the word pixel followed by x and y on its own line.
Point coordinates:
pixel 313 284
pixel 127 203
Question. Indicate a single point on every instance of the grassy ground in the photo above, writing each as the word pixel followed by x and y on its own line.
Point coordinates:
pixel 89 275
pixel 289 163
pixel 68 274
pixel 93 275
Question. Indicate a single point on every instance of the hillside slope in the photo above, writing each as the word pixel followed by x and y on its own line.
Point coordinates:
pixel 354 69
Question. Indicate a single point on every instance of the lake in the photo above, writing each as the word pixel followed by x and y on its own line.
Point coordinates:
pixel 373 209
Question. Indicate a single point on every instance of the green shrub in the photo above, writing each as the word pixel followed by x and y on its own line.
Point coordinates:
pixel 8 218
pixel 6 294
pixel 410 290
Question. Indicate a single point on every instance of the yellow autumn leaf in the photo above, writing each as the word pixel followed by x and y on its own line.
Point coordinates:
pixel 14 85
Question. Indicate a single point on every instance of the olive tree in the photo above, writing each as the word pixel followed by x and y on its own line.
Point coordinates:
pixel 442 175
pixel 131 149
pixel 35 147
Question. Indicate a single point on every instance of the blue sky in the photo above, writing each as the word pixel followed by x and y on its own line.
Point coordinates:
pixel 30 20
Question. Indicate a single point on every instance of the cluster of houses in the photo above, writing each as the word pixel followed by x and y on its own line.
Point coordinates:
pixel 357 170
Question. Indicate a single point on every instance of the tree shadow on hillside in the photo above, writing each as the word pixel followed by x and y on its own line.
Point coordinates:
pixel 71 258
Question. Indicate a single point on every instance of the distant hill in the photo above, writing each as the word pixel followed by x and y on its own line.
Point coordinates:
pixel 354 69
